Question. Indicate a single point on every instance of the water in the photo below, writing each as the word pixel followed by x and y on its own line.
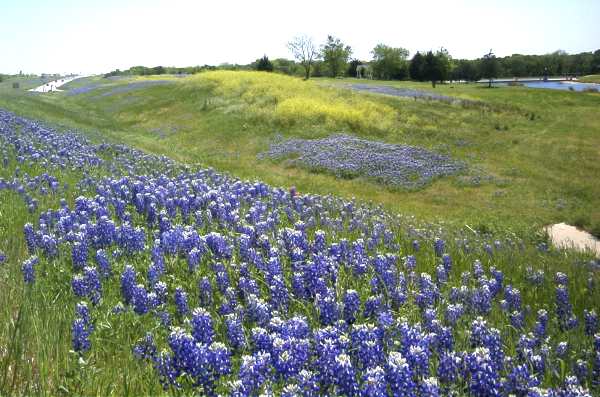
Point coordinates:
pixel 567 236
pixel 557 85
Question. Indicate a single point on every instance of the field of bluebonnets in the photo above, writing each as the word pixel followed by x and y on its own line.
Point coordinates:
pixel 138 275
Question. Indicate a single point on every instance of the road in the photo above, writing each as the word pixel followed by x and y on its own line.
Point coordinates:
pixel 52 86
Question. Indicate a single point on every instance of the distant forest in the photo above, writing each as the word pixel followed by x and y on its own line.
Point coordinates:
pixel 397 66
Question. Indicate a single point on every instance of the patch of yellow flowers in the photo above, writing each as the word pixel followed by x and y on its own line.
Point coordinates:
pixel 287 100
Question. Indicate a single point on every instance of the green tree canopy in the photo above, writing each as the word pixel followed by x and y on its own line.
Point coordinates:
pixel 389 63
pixel 489 67
pixel 416 67
pixel 335 55
pixel 263 64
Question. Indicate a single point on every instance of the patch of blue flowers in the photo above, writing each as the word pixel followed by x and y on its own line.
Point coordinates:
pixel 257 290
pixel 347 156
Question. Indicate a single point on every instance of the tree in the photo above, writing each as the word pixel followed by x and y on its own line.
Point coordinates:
pixel 466 70
pixel 415 68
pixel 444 64
pixel 352 66
pixel 263 64
pixel 389 62
pixel 286 66
pixel 489 67
pixel 304 50
pixel 335 55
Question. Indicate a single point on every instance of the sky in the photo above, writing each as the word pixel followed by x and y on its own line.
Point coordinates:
pixel 95 36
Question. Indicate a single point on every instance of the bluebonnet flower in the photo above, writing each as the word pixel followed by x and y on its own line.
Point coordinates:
pixel 205 291
pixel 410 262
pixel 181 301
pixel 202 326
pixel 453 313
pixel 367 342
pixel 218 245
pixel 580 368
pixel 345 378
pixel 596 369
pixel 28 269
pixel 307 383
pixel 258 310
pixel 328 307
pixel 520 380
pixel 2 257
pixel 399 376
pixel 416 245
pixel 79 254
pixel 128 283
pixel 254 372
pixel 561 279
pixel 193 259
pixel 541 324
pixel 373 383
pixel 439 246
pixel 484 379
pixel 82 311
pixel 449 367
pixel 513 298
pixel 235 332
pixel 429 387
pixel 482 336
pixel 562 348
pixel 80 336
pixel 145 348
pixel 418 359
pixel 140 300
pixel 591 322
pixel 49 245
pixel 104 267
pixel 30 238
pixel 564 310
pixel 94 286
pixel 164 318
pixel 572 388
pixel 517 319
pixel 79 286
pixel 220 358
pixel 372 306
pixel 261 339
pixel 428 291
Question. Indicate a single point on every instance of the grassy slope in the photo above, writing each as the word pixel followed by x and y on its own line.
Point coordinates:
pixel 592 78
pixel 545 169
pixel 35 323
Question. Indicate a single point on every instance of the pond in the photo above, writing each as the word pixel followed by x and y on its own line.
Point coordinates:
pixel 557 85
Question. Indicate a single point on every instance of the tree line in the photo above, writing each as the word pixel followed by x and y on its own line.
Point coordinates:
pixel 333 58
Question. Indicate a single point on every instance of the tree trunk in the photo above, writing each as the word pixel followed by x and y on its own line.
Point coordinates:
pixel 490 84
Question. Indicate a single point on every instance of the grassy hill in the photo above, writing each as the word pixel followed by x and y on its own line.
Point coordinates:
pixel 592 78
pixel 532 154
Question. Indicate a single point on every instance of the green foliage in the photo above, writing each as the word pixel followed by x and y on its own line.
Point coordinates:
pixel 489 67
pixel 352 66
pixel 264 65
pixel 335 56
pixel 287 66
pixel 465 70
pixel 416 67
pixel 389 63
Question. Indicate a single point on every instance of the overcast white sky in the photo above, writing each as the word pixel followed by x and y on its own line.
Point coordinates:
pixel 97 36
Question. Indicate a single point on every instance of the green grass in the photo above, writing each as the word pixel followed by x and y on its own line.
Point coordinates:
pixel 591 78
pixel 540 146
